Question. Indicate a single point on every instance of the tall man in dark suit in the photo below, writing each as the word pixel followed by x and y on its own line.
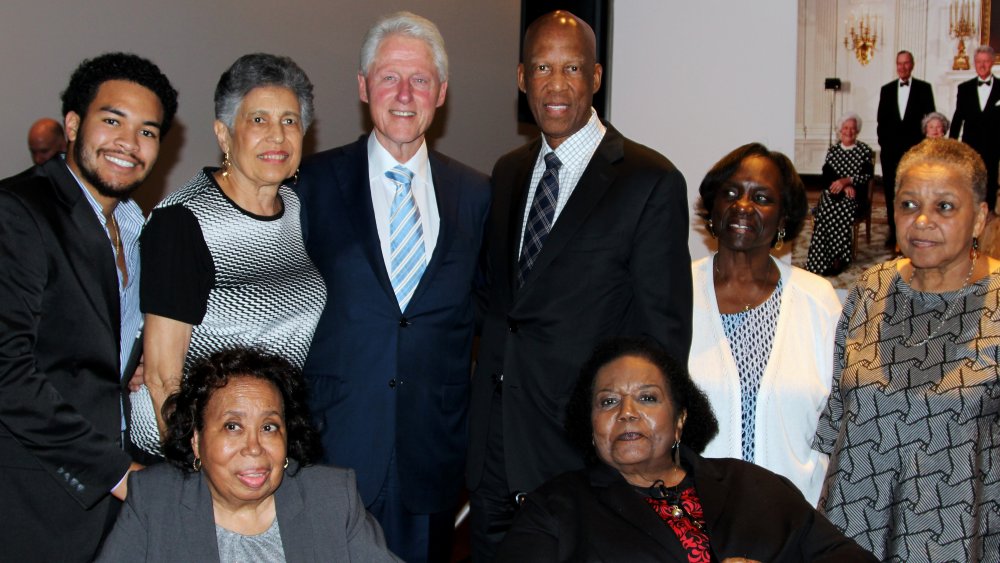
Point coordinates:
pixel 395 229
pixel 587 239
pixel 69 294
pixel 977 117
pixel 902 104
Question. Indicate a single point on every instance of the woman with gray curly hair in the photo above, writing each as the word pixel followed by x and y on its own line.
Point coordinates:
pixel 849 166
pixel 224 260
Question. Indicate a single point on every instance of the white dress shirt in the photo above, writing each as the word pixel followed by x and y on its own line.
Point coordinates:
pixel 984 91
pixel 903 95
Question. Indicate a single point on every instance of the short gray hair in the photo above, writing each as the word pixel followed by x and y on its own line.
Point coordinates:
pixel 256 70
pixel 848 117
pixel 410 25
pixel 986 49
pixel 952 154
pixel 934 116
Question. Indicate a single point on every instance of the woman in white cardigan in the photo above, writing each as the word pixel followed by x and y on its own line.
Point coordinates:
pixel 762 343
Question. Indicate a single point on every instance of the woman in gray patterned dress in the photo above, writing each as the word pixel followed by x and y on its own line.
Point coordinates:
pixel 223 258
pixel 912 425
pixel 848 168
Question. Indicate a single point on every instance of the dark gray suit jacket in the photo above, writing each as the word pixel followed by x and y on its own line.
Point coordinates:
pixel 60 388
pixel 168 517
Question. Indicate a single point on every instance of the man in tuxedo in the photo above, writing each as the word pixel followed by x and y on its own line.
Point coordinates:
pixel 69 312
pixel 395 229
pixel 587 239
pixel 977 117
pixel 902 104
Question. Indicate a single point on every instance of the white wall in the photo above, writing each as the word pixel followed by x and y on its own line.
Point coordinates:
pixel 695 80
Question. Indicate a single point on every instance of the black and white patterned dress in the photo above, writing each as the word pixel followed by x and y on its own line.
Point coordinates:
pixel 830 248
pixel 240 279
pixel 913 431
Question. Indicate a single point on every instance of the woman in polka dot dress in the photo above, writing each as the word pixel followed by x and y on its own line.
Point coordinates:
pixel 848 168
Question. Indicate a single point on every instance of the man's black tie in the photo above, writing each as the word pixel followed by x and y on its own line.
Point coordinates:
pixel 540 217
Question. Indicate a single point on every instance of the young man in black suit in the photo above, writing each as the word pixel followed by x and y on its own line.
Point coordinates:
pixel 902 104
pixel 69 312
pixel 977 117
pixel 587 239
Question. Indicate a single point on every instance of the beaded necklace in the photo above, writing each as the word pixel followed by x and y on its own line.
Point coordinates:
pixel 947 312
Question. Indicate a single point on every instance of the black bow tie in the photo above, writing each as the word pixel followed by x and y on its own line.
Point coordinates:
pixel 985 82
pixel 904 83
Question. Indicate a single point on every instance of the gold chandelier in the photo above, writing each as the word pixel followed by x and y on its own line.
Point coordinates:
pixel 861 35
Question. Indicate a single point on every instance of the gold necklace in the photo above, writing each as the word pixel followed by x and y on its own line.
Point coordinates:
pixel 947 312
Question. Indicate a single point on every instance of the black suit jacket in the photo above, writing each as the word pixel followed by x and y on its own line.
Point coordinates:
pixel 895 135
pixel 60 384
pixel 168 518
pixel 595 515
pixel 615 263
pixel 380 378
pixel 980 128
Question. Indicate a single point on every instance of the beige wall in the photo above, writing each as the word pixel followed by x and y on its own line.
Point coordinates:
pixel 193 41
pixel 692 80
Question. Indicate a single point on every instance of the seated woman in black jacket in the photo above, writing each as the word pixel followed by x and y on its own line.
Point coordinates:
pixel 648 497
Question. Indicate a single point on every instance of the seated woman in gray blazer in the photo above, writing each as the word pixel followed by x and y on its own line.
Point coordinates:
pixel 239 486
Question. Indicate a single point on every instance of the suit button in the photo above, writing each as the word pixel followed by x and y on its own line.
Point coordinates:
pixel 403 322
pixel 511 324
pixel 392 383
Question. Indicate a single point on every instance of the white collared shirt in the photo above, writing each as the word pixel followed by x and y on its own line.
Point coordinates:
pixel 384 190
pixel 903 95
pixel 575 154
pixel 984 91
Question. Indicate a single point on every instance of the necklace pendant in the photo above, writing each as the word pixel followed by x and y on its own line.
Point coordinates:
pixel 676 511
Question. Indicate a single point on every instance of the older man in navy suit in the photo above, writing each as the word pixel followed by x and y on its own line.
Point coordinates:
pixel 395 229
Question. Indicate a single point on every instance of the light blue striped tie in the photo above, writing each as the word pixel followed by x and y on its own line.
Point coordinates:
pixel 406 237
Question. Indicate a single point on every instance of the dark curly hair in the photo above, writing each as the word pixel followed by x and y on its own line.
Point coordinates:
pixel 700 426
pixel 793 192
pixel 88 77
pixel 185 410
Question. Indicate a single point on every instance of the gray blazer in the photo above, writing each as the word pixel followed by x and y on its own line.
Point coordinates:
pixel 168 517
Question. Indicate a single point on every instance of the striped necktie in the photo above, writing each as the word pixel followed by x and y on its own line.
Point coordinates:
pixel 540 217
pixel 406 237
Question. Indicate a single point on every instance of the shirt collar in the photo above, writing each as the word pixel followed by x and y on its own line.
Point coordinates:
pixel 574 150
pixel 380 161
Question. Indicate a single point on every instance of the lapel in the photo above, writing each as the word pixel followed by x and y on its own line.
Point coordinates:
pixel 355 188
pixel 515 214
pixel 296 536
pixel 597 178
pixel 446 193
pixel 994 97
pixel 621 499
pixel 711 488
pixel 86 245
pixel 197 519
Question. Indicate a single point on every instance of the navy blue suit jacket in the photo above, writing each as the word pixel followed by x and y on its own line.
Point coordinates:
pixel 378 377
